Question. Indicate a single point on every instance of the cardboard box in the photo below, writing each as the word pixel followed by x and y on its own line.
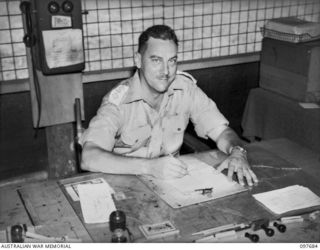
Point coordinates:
pixel 291 69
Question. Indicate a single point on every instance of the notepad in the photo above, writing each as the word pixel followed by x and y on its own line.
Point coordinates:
pixel 96 202
pixel 291 198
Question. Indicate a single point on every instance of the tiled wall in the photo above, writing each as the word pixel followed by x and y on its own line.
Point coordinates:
pixel 205 28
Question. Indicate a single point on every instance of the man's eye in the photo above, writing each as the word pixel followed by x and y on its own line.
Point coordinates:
pixel 173 61
pixel 156 60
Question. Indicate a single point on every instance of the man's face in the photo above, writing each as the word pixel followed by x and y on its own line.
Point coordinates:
pixel 157 64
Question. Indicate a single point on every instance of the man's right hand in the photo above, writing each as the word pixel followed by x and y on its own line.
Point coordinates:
pixel 167 167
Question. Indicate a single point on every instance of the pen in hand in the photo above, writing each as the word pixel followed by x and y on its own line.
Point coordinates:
pixel 185 166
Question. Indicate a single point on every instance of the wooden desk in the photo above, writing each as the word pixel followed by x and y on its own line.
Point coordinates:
pixel 45 205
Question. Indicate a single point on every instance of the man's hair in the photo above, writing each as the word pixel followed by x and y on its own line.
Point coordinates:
pixel 163 32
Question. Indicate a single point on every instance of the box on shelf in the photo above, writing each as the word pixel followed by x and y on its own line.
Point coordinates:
pixel 291 29
pixel 291 69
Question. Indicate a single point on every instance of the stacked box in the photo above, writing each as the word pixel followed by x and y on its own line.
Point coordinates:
pixel 291 69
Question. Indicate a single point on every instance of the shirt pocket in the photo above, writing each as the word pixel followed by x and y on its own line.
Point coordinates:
pixel 136 137
pixel 176 123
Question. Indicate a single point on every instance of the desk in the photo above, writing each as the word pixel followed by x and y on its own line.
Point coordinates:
pixel 269 115
pixel 45 205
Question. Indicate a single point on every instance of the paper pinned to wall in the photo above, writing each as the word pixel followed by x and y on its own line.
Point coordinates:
pixel 96 202
pixel 63 47
pixel 288 199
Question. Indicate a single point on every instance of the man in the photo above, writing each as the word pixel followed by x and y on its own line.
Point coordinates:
pixel 141 122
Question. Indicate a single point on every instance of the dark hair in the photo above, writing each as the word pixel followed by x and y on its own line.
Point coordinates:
pixel 163 32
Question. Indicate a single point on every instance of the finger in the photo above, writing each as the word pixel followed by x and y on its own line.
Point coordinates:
pixel 223 165
pixel 230 172
pixel 248 176
pixel 254 177
pixel 240 176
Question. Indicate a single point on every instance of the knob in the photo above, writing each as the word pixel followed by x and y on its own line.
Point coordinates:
pixel 282 228
pixel 269 231
pixel 252 237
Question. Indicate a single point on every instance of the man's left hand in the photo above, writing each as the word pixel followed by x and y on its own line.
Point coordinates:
pixel 238 163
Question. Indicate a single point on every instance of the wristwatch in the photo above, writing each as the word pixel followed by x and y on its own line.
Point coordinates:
pixel 239 149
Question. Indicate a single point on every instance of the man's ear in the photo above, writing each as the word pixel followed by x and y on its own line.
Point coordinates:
pixel 137 60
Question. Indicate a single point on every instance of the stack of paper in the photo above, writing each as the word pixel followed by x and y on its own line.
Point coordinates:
pixel 96 202
pixel 288 199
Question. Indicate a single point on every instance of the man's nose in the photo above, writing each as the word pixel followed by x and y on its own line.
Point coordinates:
pixel 165 68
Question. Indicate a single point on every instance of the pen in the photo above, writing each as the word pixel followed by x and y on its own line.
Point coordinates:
pixel 185 165
pixel 229 227
pixel 204 190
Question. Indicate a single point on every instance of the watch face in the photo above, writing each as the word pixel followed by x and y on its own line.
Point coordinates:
pixel 53 7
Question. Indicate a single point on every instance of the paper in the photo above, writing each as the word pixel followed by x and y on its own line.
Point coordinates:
pixel 309 105
pixel 96 202
pixel 63 47
pixel 200 176
pixel 288 199
pixel 185 191
pixel 72 188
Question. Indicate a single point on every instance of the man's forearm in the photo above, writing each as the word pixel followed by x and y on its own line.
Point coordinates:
pixel 96 159
pixel 227 140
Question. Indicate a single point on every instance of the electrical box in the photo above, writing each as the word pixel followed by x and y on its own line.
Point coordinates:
pixel 54 34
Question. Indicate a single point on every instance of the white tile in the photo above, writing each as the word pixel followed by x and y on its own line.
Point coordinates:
pixel 106 64
pixel 6 50
pixel 225 30
pixel 94 54
pixel 105 54
pixel 92 16
pixel 224 51
pixel 197 21
pixel 117 63
pixel 126 14
pixel 206 43
pixel 3 8
pixel 20 62
pixel 19 49
pixel 103 15
pixel 104 28
pixel 5 36
pixel 116 53
pixel 13 7
pixel 9 75
pixel 22 74
pixel 17 35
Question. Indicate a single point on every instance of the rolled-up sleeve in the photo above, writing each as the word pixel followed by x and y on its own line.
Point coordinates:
pixel 103 127
pixel 205 116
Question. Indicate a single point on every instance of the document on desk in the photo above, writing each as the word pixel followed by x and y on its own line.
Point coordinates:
pixel 96 202
pixel 288 199
pixel 187 190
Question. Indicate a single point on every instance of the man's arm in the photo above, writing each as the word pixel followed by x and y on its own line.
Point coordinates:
pixel 96 159
pixel 230 143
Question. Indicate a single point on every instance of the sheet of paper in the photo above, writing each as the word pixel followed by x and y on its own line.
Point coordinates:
pixel 309 105
pixel 182 192
pixel 200 176
pixel 63 47
pixel 288 199
pixel 96 202
pixel 72 188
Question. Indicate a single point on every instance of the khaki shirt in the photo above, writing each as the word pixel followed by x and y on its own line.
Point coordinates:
pixel 126 124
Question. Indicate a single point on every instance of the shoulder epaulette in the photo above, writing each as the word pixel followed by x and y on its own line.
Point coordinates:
pixel 118 93
pixel 187 75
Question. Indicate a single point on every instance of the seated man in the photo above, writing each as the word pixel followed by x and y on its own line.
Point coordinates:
pixel 141 122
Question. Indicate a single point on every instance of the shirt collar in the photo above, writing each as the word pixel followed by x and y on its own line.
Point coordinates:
pixel 135 91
